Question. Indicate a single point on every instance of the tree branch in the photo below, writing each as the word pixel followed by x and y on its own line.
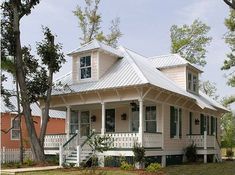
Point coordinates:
pixel 230 4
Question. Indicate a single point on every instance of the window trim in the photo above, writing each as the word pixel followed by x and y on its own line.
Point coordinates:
pixel 145 112
pixel 80 68
pixel 12 119
pixel 193 82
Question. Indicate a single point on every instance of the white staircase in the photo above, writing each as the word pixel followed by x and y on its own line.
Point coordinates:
pixel 75 152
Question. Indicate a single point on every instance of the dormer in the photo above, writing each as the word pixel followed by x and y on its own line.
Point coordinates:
pixel 176 68
pixel 92 60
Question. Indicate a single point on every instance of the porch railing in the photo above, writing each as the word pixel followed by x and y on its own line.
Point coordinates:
pixel 123 140
pixel 54 140
pixel 203 141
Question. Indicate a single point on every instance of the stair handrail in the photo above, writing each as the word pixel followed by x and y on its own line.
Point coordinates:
pixel 88 137
pixel 70 139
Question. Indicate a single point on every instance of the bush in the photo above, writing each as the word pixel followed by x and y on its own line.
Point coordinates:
pixel 229 153
pixel 191 153
pixel 153 167
pixel 28 162
pixel 139 153
pixel 126 166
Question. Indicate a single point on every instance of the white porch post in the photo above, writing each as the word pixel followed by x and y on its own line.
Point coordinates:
pixel 68 121
pixel 141 122
pixel 205 146
pixel 103 119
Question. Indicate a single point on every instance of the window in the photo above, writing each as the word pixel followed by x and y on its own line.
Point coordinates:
pixel 85 123
pixel 110 120
pixel 212 125
pixel 85 67
pixel 190 122
pixel 194 83
pixel 135 119
pixel 189 81
pixel 15 131
pixel 73 122
pixel 175 122
pixel 150 119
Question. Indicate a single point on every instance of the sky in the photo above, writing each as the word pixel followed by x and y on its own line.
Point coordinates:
pixel 145 25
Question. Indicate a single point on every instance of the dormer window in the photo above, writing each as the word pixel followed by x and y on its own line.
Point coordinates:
pixel 192 82
pixel 85 67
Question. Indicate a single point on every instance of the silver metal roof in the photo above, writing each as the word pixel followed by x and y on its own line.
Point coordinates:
pixel 94 44
pixel 36 111
pixel 134 69
pixel 171 60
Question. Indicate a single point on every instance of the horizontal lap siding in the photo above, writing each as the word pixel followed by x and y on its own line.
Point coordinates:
pixel 105 62
pixel 177 74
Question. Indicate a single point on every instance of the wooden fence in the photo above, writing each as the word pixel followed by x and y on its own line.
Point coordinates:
pixel 13 155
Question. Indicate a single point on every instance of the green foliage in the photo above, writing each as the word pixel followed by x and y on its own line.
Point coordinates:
pixel 209 88
pixel 99 143
pixel 89 20
pixel 126 166
pixel 154 168
pixel 229 153
pixel 229 63
pixel 191 153
pixel 190 41
pixel 29 162
pixel 139 153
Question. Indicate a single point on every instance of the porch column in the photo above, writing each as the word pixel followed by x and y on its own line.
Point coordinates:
pixel 103 119
pixel 68 112
pixel 141 122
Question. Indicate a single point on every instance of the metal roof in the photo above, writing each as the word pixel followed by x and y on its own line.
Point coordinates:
pixel 94 44
pixel 134 69
pixel 171 60
pixel 36 111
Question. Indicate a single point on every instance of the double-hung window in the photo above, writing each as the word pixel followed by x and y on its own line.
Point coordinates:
pixel 85 67
pixel 15 131
pixel 175 122
pixel 189 81
pixel 195 83
pixel 150 119
pixel 135 119
pixel 73 122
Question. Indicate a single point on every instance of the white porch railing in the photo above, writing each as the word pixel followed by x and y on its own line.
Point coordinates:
pixel 202 141
pixel 152 140
pixel 123 140
pixel 54 140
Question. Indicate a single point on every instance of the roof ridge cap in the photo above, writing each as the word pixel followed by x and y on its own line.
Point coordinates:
pixel 152 57
pixel 135 66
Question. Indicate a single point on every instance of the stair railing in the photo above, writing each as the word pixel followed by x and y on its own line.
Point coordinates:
pixel 68 147
pixel 80 147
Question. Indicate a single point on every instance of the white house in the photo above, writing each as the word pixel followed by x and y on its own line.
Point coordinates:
pixel 132 98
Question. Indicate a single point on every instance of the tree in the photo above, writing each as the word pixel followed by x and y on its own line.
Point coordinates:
pixel 190 41
pixel 228 126
pixel 89 20
pixel 229 63
pixel 230 3
pixel 35 81
pixel 209 89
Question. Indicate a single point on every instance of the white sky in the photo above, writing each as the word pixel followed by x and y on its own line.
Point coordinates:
pixel 145 26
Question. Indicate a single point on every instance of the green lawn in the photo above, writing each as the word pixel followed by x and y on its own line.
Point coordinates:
pixel 226 168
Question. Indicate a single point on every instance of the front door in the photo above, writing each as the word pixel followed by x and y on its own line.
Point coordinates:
pixel 110 120
pixel 85 123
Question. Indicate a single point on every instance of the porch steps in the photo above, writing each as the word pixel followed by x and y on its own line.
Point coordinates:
pixel 72 158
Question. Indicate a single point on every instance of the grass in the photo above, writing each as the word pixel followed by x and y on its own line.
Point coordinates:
pixel 225 168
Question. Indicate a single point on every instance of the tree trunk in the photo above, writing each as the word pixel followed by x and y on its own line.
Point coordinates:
pixel 20 119
pixel 37 150
pixel 45 114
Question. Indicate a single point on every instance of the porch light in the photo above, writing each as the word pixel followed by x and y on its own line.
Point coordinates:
pixel 196 121
pixel 93 118
pixel 123 116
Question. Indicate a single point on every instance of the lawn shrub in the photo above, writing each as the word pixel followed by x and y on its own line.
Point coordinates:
pixel 29 162
pixel 191 153
pixel 153 167
pixel 229 153
pixel 126 166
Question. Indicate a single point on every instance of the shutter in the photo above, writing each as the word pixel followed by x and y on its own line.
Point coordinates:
pixel 172 122
pixel 207 125
pixel 212 125
pixel 202 127
pixel 180 122
pixel 190 122
pixel 216 127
